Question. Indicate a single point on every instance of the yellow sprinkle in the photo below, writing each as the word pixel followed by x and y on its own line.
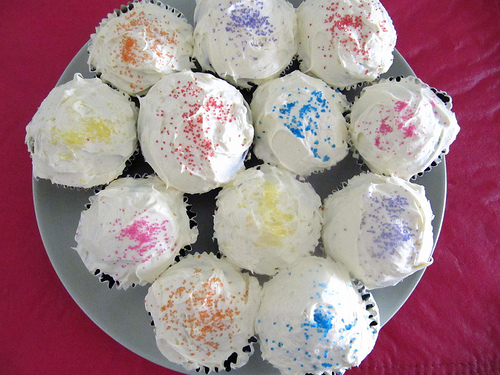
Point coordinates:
pixel 92 129
pixel 276 223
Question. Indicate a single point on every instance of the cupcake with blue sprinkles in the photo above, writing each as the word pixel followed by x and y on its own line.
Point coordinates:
pixel 299 124
pixel 314 320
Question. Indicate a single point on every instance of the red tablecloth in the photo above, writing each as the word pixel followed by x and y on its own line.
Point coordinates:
pixel 450 325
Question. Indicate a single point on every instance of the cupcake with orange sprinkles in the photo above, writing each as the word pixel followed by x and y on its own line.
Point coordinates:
pixel 203 309
pixel 138 44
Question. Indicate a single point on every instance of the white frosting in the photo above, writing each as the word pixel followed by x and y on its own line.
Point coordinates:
pixel 194 130
pixel 346 41
pixel 266 219
pixel 133 50
pixel 299 124
pixel 400 128
pixel 313 320
pixel 133 230
pixel 204 310
pixel 380 228
pixel 82 134
pixel 245 40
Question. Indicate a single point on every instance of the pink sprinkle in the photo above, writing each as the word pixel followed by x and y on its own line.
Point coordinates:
pixel 400 105
pixel 145 234
pixel 384 127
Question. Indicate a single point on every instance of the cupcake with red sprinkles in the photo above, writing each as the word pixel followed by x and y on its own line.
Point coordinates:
pixel 133 230
pixel 138 44
pixel 195 131
pixel 203 309
pixel 345 42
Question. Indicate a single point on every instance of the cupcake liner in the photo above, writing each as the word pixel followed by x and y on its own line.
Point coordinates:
pixel 370 304
pixel 442 95
pixel 292 66
pixel 107 279
pixel 231 363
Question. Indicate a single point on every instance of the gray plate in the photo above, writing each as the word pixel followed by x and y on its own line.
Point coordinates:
pixel 121 314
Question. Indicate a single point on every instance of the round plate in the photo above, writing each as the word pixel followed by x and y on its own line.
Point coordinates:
pixel 121 314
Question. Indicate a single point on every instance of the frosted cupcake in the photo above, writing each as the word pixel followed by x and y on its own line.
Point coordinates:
pixel 195 131
pixel 299 124
pixel 135 47
pixel 266 219
pixel 245 42
pixel 400 127
pixel 380 228
pixel 345 42
pixel 133 230
pixel 314 320
pixel 204 309
pixel 82 134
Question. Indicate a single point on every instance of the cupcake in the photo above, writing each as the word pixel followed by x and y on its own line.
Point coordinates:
pixel 266 219
pixel 380 228
pixel 245 42
pixel 203 310
pixel 195 131
pixel 134 47
pixel 82 134
pixel 400 127
pixel 133 230
pixel 313 320
pixel 299 124
pixel 345 42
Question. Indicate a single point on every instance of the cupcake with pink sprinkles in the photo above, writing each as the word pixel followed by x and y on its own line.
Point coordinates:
pixel 133 230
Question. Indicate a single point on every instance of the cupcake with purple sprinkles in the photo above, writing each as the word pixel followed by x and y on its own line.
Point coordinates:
pixel 245 42
pixel 380 228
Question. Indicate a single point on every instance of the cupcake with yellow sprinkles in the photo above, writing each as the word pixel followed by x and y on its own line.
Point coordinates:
pixel 83 134
pixel 266 219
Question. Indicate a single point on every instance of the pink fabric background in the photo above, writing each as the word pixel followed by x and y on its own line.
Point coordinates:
pixel 450 325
